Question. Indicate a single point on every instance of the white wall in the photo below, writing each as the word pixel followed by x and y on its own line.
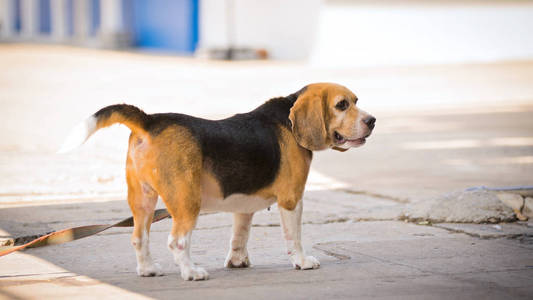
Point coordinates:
pixel 360 33
pixel 286 28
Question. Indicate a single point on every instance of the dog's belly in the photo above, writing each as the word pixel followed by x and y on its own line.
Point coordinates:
pixel 237 203
pixel 214 201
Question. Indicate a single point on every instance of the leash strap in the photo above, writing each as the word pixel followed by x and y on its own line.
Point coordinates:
pixel 75 233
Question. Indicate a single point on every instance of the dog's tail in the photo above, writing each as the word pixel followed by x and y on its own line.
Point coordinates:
pixel 129 115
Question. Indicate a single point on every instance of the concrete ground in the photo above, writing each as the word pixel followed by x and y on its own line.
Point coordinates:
pixel 440 129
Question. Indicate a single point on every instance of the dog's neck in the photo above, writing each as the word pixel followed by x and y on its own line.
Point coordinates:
pixel 278 109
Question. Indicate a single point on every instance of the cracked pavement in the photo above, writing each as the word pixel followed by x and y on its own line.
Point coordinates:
pixel 353 201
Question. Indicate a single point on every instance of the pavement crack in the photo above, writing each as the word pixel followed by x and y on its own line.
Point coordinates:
pixel 361 219
pixel 375 195
pixel 331 253
pixel 328 221
pixel 392 262
pixel 486 236
pixel 266 225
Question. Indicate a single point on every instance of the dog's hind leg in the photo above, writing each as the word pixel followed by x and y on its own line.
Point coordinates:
pixel 142 200
pixel 238 254
pixel 184 207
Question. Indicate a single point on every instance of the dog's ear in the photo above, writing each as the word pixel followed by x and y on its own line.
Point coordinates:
pixel 307 116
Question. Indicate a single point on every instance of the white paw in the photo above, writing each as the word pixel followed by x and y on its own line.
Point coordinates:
pixel 149 270
pixel 235 260
pixel 194 273
pixel 307 263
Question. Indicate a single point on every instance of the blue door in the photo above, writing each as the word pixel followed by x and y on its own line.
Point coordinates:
pixel 166 24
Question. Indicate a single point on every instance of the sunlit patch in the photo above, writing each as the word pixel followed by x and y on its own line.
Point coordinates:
pixel 458 162
pixel 511 141
pixel 462 163
pixel 317 181
pixel 450 144
pixel 470 164
pixel 470 143
pixel 519 160
pixel 401 125
pixel 38 272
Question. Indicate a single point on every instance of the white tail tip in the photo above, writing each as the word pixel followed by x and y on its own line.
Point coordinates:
pixel 78 135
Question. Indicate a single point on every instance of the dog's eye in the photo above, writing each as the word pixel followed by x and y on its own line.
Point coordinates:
pixel 342 105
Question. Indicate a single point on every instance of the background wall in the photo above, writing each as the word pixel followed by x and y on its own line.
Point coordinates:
pixel 356 33
pixel 328 33
pixel 287 29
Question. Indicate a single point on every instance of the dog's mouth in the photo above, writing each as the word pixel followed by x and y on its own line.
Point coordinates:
pixel 341 140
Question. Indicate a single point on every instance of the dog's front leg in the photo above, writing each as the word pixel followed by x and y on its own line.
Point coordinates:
pixel 238 254
pixel 291 221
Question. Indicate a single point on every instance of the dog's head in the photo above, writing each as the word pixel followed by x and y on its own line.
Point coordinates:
pixel 325 115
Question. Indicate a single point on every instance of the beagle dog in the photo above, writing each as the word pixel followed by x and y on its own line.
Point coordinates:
pixel 241 165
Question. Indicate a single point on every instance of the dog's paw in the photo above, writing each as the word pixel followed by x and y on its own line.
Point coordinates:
pixel 149 270
pixel 237 262
pixel 194 273
pixel 307 263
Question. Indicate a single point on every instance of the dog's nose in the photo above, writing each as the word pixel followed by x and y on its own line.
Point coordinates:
pixel 370 121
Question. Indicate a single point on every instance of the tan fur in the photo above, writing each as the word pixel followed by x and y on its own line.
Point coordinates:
pixel 289 185
pixel 169 165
